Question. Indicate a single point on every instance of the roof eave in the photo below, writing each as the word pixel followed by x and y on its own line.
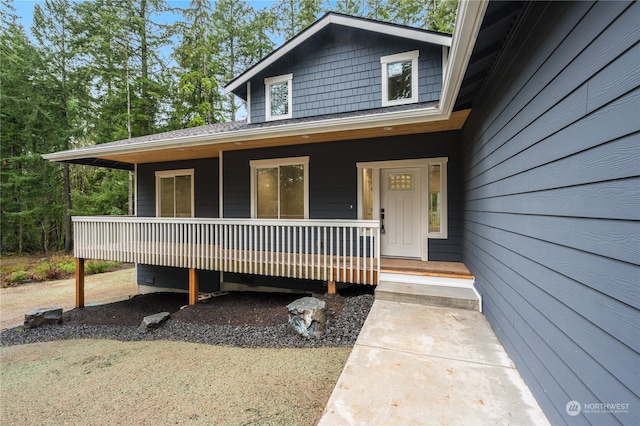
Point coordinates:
pixel 469 19
pixel 468 22
pixel 290 129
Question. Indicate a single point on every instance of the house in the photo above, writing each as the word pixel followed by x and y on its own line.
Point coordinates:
pixel 511 149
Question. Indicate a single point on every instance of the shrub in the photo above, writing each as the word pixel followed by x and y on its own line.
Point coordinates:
pixel 100 266
pixel 67 265
pixel 18 277
pixel 49 270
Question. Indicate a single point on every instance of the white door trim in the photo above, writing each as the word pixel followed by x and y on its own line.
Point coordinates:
pixel 414 248
pixel 422 163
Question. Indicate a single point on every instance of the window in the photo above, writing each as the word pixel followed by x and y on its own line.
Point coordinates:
pixel 400 78
pixel 174 193
pixel 367 194
pixel 278 94
pixel 437 198
pixel 280 188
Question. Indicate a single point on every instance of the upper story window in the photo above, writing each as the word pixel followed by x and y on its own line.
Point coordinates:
pixel 400 78
pixel 280 188
pixel 174 193
pixel 279 97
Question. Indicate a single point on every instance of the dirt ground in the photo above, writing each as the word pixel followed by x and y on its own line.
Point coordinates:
pixel 100 382
pixel 99 288
pixel 87 382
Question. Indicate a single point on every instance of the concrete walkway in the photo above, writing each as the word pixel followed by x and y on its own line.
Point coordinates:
pixel 417 365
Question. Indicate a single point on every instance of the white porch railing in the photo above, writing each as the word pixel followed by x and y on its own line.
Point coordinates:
pixel 329 250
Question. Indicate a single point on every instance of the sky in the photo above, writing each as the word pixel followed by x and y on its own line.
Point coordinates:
pixel 24 9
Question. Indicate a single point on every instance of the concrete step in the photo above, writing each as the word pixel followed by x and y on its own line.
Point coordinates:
pixel 430 295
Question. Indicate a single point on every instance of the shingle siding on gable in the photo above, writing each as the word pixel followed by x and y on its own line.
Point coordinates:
pixel 552 217
pixel 341 72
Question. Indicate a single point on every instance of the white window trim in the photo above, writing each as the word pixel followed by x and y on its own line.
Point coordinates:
pixel 277 162
pixel 288 78
pixel 400 57
pixel 249 102
pixel 173 173
pixel 424 164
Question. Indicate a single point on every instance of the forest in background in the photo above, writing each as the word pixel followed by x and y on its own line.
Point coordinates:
pixel 98 71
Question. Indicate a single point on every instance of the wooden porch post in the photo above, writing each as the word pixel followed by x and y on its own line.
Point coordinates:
pixel 79 282
pixel 193 286
pixel 331 287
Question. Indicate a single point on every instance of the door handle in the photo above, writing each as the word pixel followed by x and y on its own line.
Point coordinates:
pixel 382 221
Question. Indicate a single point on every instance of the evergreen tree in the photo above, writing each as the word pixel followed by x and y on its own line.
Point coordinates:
pixel 408 12
pixel 294 16
pixel 349 7
pixel 441 15
pixel 52 29
pixel 240 39
pixel 199 100
pixel 31 202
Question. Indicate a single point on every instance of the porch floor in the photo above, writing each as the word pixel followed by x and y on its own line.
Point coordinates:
pixel 429 268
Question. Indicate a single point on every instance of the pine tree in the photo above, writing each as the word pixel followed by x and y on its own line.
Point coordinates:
pixel 240 39
pixel 31 202
pixel 294 16
pixel 199 100
pixel 52 30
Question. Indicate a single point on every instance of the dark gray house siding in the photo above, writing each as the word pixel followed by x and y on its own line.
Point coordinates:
pixel 552 211
pixel 333 178
pixel 205 179
pixel 206 200
pixel 340 72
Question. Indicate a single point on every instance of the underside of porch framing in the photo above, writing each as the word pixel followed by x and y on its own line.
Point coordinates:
pixel 339 275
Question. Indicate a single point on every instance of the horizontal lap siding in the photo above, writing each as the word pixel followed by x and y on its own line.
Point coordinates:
pixel 552 206
pixel 333 178
pixel 206 202
pixel 205 180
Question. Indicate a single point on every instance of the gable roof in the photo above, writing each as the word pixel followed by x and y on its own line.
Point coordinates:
pixel 208 141
pixel 337 19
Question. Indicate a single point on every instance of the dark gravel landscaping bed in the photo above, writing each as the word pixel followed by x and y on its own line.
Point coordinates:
pixel 242 319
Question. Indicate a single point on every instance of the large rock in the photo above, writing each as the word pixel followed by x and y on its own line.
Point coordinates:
pixel 308 316
pixel 153 321
pixel 42 316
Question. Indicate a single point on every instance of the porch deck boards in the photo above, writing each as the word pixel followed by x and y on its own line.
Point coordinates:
pixel 428 268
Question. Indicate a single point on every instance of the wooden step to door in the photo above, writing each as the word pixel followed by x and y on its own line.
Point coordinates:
pixel 430 295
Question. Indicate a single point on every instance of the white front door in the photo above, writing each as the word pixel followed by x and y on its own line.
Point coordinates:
pixel 400 202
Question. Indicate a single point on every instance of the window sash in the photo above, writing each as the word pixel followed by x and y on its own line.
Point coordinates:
pixel 279 97
pixel 280 188
pixel 174 193
pixel 400 78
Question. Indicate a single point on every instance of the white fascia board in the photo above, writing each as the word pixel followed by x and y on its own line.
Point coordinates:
pixel 468 21
pixel 393 30
pixel 421 115
pixel 379 27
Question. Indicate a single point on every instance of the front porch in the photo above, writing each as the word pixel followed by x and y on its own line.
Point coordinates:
pixel 324 250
